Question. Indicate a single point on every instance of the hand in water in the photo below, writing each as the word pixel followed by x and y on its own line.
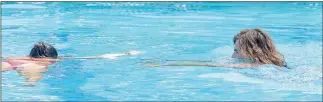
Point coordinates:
pixel 133 52
pixel 109 56
pixel 114 56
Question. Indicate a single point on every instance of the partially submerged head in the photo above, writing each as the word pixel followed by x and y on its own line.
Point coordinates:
pixel 257 45
pixel 43 50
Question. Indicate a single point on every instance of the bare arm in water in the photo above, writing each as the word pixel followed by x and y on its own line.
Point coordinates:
pixel 240 65
pixel 5 66
pixel 105 56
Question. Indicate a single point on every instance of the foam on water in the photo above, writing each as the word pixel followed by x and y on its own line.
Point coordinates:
pixel 305 73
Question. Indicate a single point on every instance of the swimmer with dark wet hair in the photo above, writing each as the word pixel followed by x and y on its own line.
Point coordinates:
pixel 41 56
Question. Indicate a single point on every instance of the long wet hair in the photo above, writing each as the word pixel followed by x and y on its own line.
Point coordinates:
pixel 43 50
pixel 257 45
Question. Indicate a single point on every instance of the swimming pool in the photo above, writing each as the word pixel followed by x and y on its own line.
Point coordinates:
pixel 163 30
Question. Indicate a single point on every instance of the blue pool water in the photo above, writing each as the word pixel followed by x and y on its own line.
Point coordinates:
pixel 162 30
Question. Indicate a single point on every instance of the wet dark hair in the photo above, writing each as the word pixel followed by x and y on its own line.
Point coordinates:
pixel 43 50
